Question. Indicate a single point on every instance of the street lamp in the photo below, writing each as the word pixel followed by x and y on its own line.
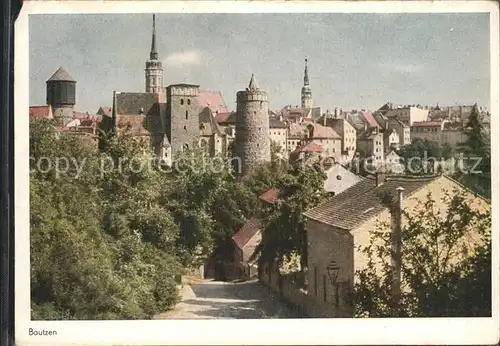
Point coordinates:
pixel 333 272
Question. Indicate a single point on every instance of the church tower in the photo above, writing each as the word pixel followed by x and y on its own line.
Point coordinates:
pixel 306 97
pixel 61 96
pixel 154 71
pixel 252 143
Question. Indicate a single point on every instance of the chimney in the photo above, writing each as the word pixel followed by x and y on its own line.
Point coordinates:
pixel 380 178
pixel 396 223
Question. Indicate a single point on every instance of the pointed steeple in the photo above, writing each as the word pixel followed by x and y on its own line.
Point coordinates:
pixel 253 83
pixel 153 55
pixel 306 76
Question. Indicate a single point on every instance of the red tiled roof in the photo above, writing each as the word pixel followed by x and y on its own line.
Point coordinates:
pixel 222 117
pixel 370 119
pixel 213 100
pixel 427 124
pixel 249 229
pixel 270 196
pixel 310 148
pixel 321 131
pixel 42 112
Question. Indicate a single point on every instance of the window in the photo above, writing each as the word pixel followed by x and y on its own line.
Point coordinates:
pixel 186 115
pixel 189 101
pixel 182 101
pixel 185 127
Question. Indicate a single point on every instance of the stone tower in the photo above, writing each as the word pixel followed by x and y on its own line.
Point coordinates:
pixel 252 143
pixel 182 123
pixel 154 71
pixel 306 97
pixel 61 96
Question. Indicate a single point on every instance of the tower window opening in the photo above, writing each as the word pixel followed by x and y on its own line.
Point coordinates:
pixel 187 115
pixel 182 101
pixel 185 128
pixel 189 101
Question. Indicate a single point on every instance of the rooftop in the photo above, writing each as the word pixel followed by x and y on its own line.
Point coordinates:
pixel 360 202
pixel 61 75
pixel 270 196
pixel 249 229
pixel 427 124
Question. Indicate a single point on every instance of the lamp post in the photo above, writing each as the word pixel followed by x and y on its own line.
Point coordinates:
pixel 333 272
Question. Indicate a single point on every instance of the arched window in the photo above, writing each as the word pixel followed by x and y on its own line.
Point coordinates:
pixel 182 101
pixel 185 127
pixel 189 101
pixel 186 115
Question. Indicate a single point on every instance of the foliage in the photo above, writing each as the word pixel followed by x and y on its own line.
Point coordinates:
pixel 446 267
pixel 101 248
pixel 476 172
pixel 284 233
pixel 421 156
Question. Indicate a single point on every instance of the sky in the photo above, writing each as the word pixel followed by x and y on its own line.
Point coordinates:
pixel 356 61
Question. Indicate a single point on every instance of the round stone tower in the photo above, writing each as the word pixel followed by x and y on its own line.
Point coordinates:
pixel 61 95
pixel 252 143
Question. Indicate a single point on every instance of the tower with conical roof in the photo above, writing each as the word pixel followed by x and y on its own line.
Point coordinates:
pixel 306 95
pixel 252 143
pixel 154 71
pixel 61 96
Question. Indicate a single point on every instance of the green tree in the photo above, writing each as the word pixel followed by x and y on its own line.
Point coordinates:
pixel 476 164
pixel 101 248
pixel 284 224
pixel 421 156
pixel 446 269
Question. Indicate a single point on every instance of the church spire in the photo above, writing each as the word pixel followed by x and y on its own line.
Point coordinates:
pixel 306 97
pixel 306 76
pixel 153 55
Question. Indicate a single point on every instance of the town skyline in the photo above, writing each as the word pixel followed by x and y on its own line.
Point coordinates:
pixel 373 59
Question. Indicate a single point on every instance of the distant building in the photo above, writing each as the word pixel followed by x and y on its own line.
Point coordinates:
pixel 371 144
pixel 327 138
pixel 339 179
pixel 393 163
pixel 408 114
pixel 278 133
pixel 346 131
pixel 429 130
pixel 41 112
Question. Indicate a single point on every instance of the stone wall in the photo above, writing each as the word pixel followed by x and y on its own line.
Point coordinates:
pixel 290 291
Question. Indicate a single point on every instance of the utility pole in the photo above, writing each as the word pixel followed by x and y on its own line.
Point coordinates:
pixel 397 219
